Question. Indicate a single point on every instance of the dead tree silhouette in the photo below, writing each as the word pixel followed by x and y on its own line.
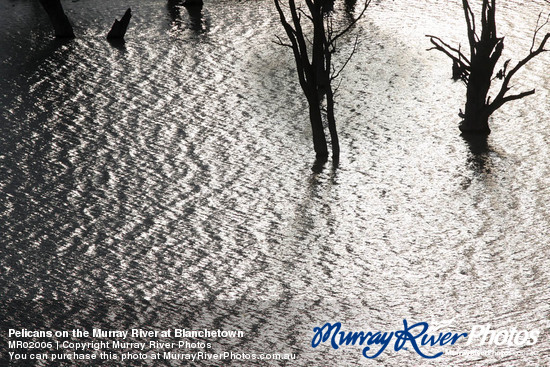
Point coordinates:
pixel 313 57
pixel 477 69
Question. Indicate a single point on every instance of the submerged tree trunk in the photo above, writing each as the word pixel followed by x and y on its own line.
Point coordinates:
pixel 476 115
pixel 118 30
pixel 319 139
pixel 60 22
pixel 335 143
pixel 477 112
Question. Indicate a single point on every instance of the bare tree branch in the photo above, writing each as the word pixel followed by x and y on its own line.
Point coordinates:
pixel 292 36
pixel 537 29
pixel 471 26
pixel 346 30
pixel 305 14
pixel 337 74
pixel 281 43
pixel 504 88
pixel 443 48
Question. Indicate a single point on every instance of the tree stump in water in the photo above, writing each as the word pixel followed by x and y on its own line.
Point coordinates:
pixel 118 30
pixel 60 22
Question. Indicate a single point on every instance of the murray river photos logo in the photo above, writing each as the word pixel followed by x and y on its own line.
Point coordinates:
pixel 418 337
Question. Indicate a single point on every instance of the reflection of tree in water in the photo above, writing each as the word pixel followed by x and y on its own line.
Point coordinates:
pixel 479 159
pixel 194 12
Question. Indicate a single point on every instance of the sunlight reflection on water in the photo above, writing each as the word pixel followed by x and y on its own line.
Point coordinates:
pixel 178 165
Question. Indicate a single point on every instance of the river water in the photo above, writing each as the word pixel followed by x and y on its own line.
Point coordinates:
pixel 167 182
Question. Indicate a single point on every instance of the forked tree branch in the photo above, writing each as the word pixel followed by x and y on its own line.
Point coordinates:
pixel 537 29
pixel 296 46
pixel 446 49
pixel 471 26
pixel 500 99
pixel 336 74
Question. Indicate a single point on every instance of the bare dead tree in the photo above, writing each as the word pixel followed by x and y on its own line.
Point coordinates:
pixel 477 70
pixel 314 63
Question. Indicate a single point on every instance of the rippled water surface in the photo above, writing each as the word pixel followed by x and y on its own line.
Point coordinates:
pixel 177 167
